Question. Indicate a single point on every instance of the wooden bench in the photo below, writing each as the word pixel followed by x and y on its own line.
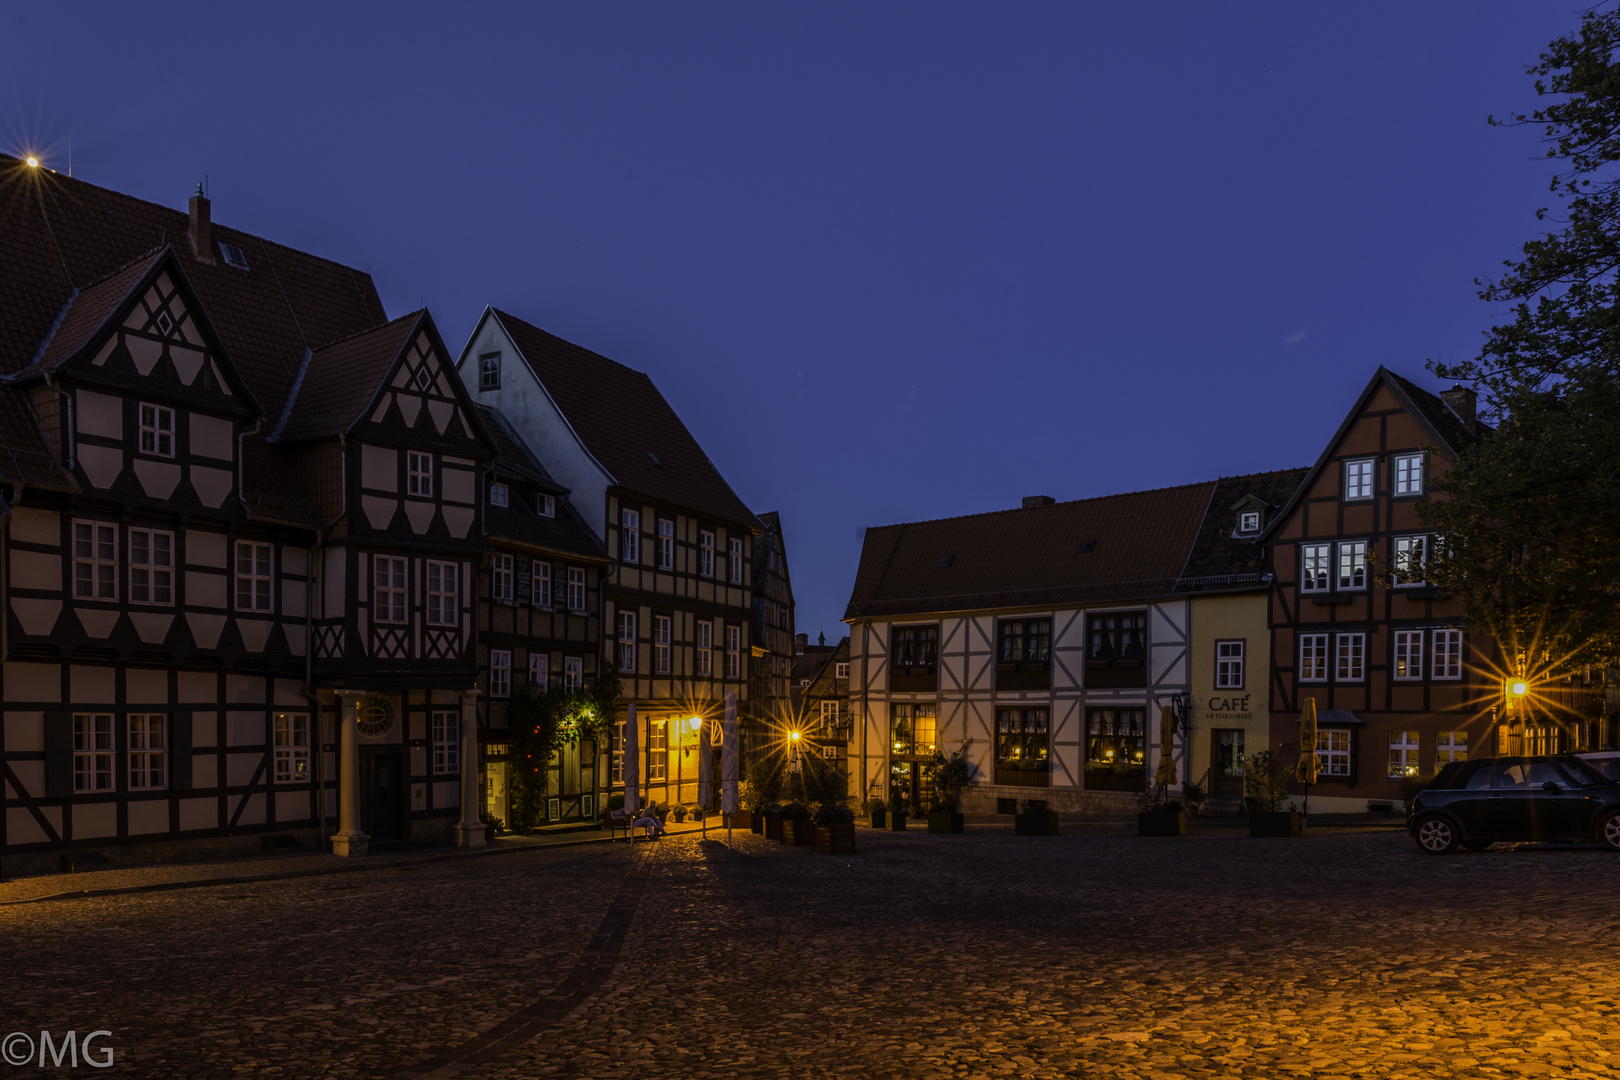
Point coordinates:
pixel 617 820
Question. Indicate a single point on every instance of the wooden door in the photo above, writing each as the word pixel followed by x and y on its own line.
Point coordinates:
pixel 1226 763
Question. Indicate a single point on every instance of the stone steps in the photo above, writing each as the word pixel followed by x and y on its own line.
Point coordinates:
pixel 1221 806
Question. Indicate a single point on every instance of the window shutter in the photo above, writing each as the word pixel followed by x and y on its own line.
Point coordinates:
pixel 180 741
pixel 58 754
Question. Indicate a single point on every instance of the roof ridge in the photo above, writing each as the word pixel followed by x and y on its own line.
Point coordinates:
pixel 149 253
pixel 500 314
pixel 1051 506
pixel 367 330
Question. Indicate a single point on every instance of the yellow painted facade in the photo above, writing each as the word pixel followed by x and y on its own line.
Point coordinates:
pixel 1229 722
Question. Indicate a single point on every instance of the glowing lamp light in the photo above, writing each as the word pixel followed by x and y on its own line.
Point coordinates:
pixel 1519 689
pixel 32 162
pixel 794 735
pixel 695 723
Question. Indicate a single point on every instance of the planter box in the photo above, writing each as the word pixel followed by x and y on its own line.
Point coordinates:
pixel 879 818
pixel 1161 823
pixel 1282 823
pixel 742 819
pixel 797 831
pixel 834 839
pixel 897 821
pixel 1038 824
pixel 947 823
pixel 773 827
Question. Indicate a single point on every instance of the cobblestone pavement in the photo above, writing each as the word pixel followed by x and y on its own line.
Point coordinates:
pixel 1342 954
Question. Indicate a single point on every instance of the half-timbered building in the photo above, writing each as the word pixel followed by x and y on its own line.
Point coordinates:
pixel 773 637
pixel 820 698
pixel 213 448
pixel 676 597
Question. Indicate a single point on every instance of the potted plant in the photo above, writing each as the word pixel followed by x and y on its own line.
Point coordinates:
pixel 761 790
pixel 878 812
pixel 1194 796
pixel 949 775
pixel 1035 818
pixel 1160 816
pixel 796 827
pixel 897 812
pixel 771 815
pixel 834 828
pixel 680 813
pixel 1265 784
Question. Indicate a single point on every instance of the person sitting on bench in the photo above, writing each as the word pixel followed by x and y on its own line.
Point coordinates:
pixel 646 820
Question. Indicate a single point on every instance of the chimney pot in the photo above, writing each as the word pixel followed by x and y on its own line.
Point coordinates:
pixel 202 228
pixel 1463 401
pixel 1038 500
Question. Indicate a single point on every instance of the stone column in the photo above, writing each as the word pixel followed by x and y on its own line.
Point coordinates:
pixel 470 833
pixel 349 841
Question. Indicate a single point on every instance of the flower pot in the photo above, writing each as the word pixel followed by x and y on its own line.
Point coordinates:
pixel 834 839
pixel 1043 823
pixel 946 822
pixel 879 818
pixel 742 819
pixel 797 831
pixel 773 827
pixel 1282 823
pixel 1161 823
pixel 897 821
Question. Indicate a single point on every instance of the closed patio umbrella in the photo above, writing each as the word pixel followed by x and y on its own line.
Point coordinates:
pixel 1309 763
pixel 728 761
pixel 705 764
pixel 631 756
pixel 1166 774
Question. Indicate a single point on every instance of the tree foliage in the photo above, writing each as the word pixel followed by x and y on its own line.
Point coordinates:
pixel 541 723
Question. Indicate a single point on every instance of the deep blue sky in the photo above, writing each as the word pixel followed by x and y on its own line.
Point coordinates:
pixel 888 261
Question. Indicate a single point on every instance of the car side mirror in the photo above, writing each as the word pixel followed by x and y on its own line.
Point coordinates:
pixel 1551 785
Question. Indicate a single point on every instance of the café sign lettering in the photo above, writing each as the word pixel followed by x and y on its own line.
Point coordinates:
pixel 1228 707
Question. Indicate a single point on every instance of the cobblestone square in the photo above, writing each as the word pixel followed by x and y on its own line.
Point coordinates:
pixel 1346 953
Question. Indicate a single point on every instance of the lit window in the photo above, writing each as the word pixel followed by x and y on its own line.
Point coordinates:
pixel 1409 474
pixel 661 632
pixel 540 584
pixel 443 593
pixel 1352 658
pixel 92 752
pixel 1408 654
pixel 539 670
pixel 705 650
pixel 151 567
pixel 498 495
pixel 573 674
pixel 501 586
pixel 829 716
pixel 1410 553
pixel 157 430
pixel 418 473
pixel 1116 740
pixel 1353 565
pixel 1333 751
pixel 733 652
pixel 95 561
pixel 1358 479
pixel 706 553
pixel 148 745
pixel 1447 654
pixel 252 576
pixel 576 589
pixel 388 595
pixel 627 641
pixel 446 741
pixel 489 371
pixel 1450 746
pixel 1229 665
pixel 616 753
pixel 630 536
pixel 500 673
pixel 1315 563
pixel 1403 754
pixel 736 553
pixel 1313 657
pixel 830 753
pixel 292 748
pixel 666 544
pixel 657 750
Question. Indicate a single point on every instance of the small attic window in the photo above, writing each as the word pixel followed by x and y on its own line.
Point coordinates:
pixel 548 506
pixel 1087 547
pixel 655 460
pixel 498 494
pixel 1249 521
pixel 946 561
pixel 164 323
pixel 233 255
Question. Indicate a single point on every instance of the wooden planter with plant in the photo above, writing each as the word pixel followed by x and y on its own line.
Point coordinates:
pixel 946 821
pixel 879 813
pixel 795 826
pixel 771 818
pixel 949 775
pixel 742 819
pixel 834 828
pixel 1160 816
pixel 1035 818
pixel 1271 810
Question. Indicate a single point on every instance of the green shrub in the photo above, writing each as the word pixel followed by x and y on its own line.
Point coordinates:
pixel 795 811
pixel 1265 782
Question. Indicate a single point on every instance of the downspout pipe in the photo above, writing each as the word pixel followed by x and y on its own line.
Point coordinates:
pixel 317 567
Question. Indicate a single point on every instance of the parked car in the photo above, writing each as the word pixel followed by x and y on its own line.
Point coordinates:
pixel 1474 804
pixel 1606 762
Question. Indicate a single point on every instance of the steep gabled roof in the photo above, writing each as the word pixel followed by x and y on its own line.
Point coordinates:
pixel 343 378
pixel 1218 560
pixel 1118 548
pixel 90 308
pixel 512 455
pixel 626 425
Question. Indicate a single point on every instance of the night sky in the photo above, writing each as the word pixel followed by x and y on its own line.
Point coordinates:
pixel 889 262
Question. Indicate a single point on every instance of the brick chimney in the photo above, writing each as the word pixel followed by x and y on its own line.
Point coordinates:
pixel 1038 500
pixel 202 228
pixel 1464 402
pixel 800 643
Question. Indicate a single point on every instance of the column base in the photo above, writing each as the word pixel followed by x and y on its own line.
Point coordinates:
pixel 471 835
pixel 350 845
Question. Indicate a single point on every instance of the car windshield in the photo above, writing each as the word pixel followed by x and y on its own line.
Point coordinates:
pixel 1582 774
pixel 1609 767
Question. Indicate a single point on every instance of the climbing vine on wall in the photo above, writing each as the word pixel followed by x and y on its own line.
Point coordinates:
pixel 541 724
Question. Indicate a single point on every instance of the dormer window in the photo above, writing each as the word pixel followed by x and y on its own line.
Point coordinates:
pixel 498 495
pixel 548 506
pixel 1249 521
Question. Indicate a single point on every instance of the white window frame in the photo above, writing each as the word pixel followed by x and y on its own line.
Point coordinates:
pixel 255 576
pixel 443 593
pixel 157 430
pixel 666 544
pixel 1333 752
pixel 489 371
pixel 503 575
pixel 841 669
pixel 1449 746
pixel 1350 658
pixel 630 537
pixel 1410 554
pixel 547 505
pixel 499 494
pixel 93 753
pixel 662 629
pixel 626 641
pixel 1249 521
pixel 1316 569
pixel 704 653
pixel 390 591
pixel 291 738
pixel 446 733
pixel 540 584
pixel 146 746
pixel 1359 484
pixel 1408 474
pixel 1403 754
pixel 1351 573
pixel 576 589
pixel 733 651
pixel 1447 655
pixel 658 750
pixel 573 674
pixel 829 714
pixel 151 567
pixel 500 673
pixel 735 555
pixel 95 561
pixel 706 553
pixel 1229 665
pixel 419 474
pixel 1313 658
pixel 539 670
pixel 1408 656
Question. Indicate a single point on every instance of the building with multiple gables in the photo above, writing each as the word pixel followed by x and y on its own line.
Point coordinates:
pixel 677 597
pixel 769 690
pixel 820 697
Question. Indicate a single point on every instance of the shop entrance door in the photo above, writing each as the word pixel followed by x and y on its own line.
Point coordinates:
pixel 382 793
pixel 1226 764
pixel 495 806
pixel 916 788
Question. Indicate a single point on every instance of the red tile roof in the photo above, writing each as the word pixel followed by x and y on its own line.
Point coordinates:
pixel 343 377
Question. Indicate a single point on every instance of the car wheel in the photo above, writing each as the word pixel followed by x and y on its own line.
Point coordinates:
pixel 1608 831
pixel 1437 836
